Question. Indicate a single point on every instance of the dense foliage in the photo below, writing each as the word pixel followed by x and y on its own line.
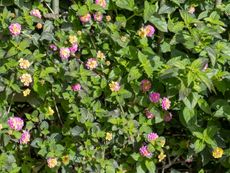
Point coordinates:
pixel 114 86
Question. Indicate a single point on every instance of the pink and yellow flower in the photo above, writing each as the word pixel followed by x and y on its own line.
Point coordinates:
pixel 64 53
pixel 86 18
pixel 145 152
pixel 15 29
pixel 114 86
pixel 102 3
pixel 166 103
pixel 36 13
pixel 145 85
pixel 52 162
pixel 25 138
pixel 98 16
pixel 15 123
pixel 91 63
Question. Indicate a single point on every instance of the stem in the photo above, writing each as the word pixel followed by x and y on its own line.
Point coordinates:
pixel 55 6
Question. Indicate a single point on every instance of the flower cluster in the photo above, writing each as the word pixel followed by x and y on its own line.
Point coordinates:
pixel 156 142
pixel 52 162
pixel 15 123
pixel 15 29
pixel 23 63
pixel 147 31
pixel 114 86
pixel 36 13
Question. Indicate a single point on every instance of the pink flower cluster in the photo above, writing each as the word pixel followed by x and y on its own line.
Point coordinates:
pixel 53 47
pixel 154 97
pixel 73 48
pixel 15 123
pixel 145 152
pixel 86 18
pixel 98 17
pixel 36 13
pixel 25 138
pixel 152 136
pixel 64 53
pixel 149 114
pixel 76 87
pixel 102 3
pixel 15 29
pixel 150 30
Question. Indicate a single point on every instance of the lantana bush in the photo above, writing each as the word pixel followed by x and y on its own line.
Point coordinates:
pixel 111 86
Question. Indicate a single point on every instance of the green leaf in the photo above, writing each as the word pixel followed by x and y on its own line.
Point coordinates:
pixel 145 63
pixel 150 165
pixel 159 22
pixel 126 4
pixel 134 74
pixel 212 55
pixel 189 115
pixel 149 10
pixel 199 146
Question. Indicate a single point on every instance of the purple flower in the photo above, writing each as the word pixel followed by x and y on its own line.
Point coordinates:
pixel 76 87
pixel 152 136
pixel 64 53
pixel 167 117
pixel 25 138
pixel 145 152
pixel 15 123
pixel 154 97
pixel 166 103
pixel 73 48
pixel 15 29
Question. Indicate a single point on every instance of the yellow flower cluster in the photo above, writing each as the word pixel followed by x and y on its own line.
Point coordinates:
pixel 72 39
pixel 161 156
pixel 23 63
pixel 217 152
pixel 109 136
pixel 26 92
pixel 50 111
pixel 26 79
pixel 142 32
pixel 65 160
pixel 100 55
